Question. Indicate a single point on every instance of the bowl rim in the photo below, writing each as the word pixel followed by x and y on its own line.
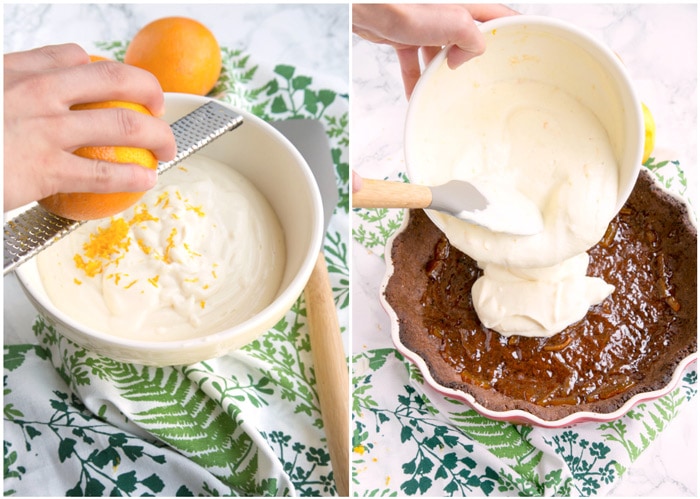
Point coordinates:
pixel 287 295
pixel 623 79
pixel 520 416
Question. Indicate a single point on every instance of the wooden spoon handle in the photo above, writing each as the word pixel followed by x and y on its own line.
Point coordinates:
pixel 331 369
pixel 388 194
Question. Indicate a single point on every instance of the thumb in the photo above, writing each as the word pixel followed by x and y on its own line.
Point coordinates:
pixel 456 55
pixel 356 182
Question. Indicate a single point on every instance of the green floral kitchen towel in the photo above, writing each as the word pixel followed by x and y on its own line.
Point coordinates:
pixel 248 423
pixel 410 440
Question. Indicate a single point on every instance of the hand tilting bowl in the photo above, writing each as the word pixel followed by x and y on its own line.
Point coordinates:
pixel 522 115
pixel 580 129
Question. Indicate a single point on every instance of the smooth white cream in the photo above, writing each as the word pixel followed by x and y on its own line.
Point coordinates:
pixel 537 302
pixel 539 140
pixel 200 252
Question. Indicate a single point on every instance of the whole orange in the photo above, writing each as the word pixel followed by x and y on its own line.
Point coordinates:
pixel 91 206
pixel 182 54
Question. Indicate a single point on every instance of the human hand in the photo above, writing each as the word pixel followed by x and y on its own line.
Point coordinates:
pixel 411 28
pixel 41 132
pixel 356 182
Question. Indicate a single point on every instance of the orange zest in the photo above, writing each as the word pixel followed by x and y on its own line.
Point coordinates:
pixel 109 243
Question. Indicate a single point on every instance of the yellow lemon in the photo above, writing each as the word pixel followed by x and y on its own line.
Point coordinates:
pixel 649 133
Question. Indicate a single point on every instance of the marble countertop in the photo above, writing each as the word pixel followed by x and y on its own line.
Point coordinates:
pixel 243 27
pixel 658 44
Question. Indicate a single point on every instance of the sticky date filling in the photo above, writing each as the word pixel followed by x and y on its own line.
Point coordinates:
pixel 608 353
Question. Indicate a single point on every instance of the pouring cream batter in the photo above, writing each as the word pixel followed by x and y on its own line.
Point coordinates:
pixel 200 252
pixel 538 139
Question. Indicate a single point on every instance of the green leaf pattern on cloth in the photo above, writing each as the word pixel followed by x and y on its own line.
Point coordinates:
pixel 244 424
pixel 415 441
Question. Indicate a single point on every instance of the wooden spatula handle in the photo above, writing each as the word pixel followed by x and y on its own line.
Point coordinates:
pixel 331 370
pixel 388 194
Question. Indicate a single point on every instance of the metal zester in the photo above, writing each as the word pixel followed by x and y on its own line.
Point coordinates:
pixel 36 229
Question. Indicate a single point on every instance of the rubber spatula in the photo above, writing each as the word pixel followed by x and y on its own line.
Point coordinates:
pixel 496 207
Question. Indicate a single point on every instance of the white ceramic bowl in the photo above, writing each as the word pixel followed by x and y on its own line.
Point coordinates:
pixel 267 159
pixel 534 48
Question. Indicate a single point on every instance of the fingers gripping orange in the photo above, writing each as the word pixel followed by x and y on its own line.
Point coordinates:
pixel 91 206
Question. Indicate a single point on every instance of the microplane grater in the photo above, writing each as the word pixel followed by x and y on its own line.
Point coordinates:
pixel 35 229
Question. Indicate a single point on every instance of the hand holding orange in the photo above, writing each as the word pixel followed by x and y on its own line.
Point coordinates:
pixel 91 206
pixel 184 56
pixel 41 131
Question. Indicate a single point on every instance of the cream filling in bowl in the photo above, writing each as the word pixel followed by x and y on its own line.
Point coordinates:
pixel 543 143
pixel 517 117
pixel 201 252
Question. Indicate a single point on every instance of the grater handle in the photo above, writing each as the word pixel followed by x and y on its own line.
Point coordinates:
pixel 36 229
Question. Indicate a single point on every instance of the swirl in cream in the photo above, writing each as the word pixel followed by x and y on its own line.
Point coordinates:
pixel 200 252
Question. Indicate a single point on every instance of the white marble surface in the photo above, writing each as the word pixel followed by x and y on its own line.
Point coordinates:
pixel 658 44
pixel 240 26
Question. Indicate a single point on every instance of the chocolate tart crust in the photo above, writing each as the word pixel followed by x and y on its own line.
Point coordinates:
pixel 631 343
